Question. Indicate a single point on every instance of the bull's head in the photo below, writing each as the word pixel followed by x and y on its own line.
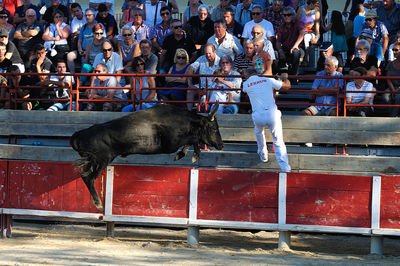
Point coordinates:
pixel 213 137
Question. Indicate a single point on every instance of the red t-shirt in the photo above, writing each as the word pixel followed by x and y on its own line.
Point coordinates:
pixel 11 5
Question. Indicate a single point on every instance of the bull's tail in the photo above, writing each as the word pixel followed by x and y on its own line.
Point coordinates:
pixel 86 165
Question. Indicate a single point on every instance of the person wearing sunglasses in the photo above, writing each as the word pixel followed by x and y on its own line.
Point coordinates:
pixel 161 30
pixel 5 25
pixel 289 38
pixel 380 35
pixel 85 35
pixel 126 48
pixel 28 34
pixel 108 20
pixel 19 15
pixel 391 53
pixel 93 48
pixel 110 58
pixel 178 39
pixel 257 15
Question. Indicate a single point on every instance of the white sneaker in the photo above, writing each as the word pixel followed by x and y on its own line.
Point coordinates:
pixel 263 157
pixel 309 144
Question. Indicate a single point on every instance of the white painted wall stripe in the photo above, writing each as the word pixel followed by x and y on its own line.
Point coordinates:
pixel 376 202
pixel 194 183
pixel 282 198
pixel 109 190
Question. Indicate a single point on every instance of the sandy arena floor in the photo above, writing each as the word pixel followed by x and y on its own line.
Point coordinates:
pixel 77 244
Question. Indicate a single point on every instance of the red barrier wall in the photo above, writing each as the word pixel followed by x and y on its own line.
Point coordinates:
pixel 337 200
pixel 390 202
pixel 151 191
pixel 237 195
pixel 49 186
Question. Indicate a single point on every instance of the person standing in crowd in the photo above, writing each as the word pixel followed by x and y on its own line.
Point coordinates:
pixel 178 39
pixel 266 113
pixel 224 42
pixel 204 65
pixel 112 93
pixel 232 26
pixel 338 35
pixel 361 94
pixel 160 31
pixel 290 35
pixel 152 14
pixel 29 34
pixel 257 14
pixel 108 21
pixel 243 12
pixel 19 15
pixel 191 10
pixel 200 28
pixel 76 24
pixel 321 86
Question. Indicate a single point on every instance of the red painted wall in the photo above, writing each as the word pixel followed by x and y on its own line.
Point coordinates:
pixel 237 195
pixel 390 202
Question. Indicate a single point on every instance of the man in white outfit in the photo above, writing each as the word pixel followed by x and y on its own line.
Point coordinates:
pixel 266 113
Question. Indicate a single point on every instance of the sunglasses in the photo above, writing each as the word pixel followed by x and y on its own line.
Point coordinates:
pixel 58 17
pixel 89 15
pixel 395 50
pixel 184 57
pixel 255 13
pixel 3 16
pixel 96 71
pixel 98 33
pixel 3 37
pixel 256 33
pixel 177 27
pixel 360 49
pixel 165 14
pixel 107 50
pixel 369 19
pixel 287 15
pixel 30 16
pixel 140 64
pixel 127 35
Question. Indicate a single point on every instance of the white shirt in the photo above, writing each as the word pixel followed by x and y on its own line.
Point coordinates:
pixel 359 97
pixel 267 26
pixel 230 46
pixel 261 92
pixel 202 67
pixel 76 24
pixel 63 93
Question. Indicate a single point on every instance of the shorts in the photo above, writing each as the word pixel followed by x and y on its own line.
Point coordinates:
pixel 322 112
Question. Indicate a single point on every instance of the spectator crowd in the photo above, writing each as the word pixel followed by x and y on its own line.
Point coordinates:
pixel 271 36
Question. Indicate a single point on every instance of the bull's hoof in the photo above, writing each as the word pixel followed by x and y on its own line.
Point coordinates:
pixel 98 205
pixel 179 156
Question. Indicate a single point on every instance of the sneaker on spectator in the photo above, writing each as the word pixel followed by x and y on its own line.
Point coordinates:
pixel 363 114
pixel 263 157
pixel 308 144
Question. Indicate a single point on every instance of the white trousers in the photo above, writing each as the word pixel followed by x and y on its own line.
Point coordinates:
pixel 272 119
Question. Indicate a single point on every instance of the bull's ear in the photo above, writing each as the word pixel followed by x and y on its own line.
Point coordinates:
pixel 213 111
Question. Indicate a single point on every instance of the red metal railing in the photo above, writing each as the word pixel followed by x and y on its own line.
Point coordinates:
pixel 75 91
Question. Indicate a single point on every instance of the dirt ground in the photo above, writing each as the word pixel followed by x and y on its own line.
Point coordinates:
pixel 86 244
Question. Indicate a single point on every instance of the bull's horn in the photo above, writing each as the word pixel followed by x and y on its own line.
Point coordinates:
pixel 213 111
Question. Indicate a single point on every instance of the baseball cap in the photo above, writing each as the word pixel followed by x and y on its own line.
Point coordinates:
pixel 3 32
pixel 325 46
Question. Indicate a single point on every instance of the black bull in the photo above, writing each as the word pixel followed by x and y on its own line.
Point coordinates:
pixel 160 129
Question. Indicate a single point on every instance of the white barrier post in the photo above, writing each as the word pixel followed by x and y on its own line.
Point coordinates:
pixel 193 231
pixel 376 240
pixel 109 199
pixel 284 236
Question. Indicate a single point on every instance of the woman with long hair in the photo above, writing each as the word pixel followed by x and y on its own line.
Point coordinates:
pixel 338 36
